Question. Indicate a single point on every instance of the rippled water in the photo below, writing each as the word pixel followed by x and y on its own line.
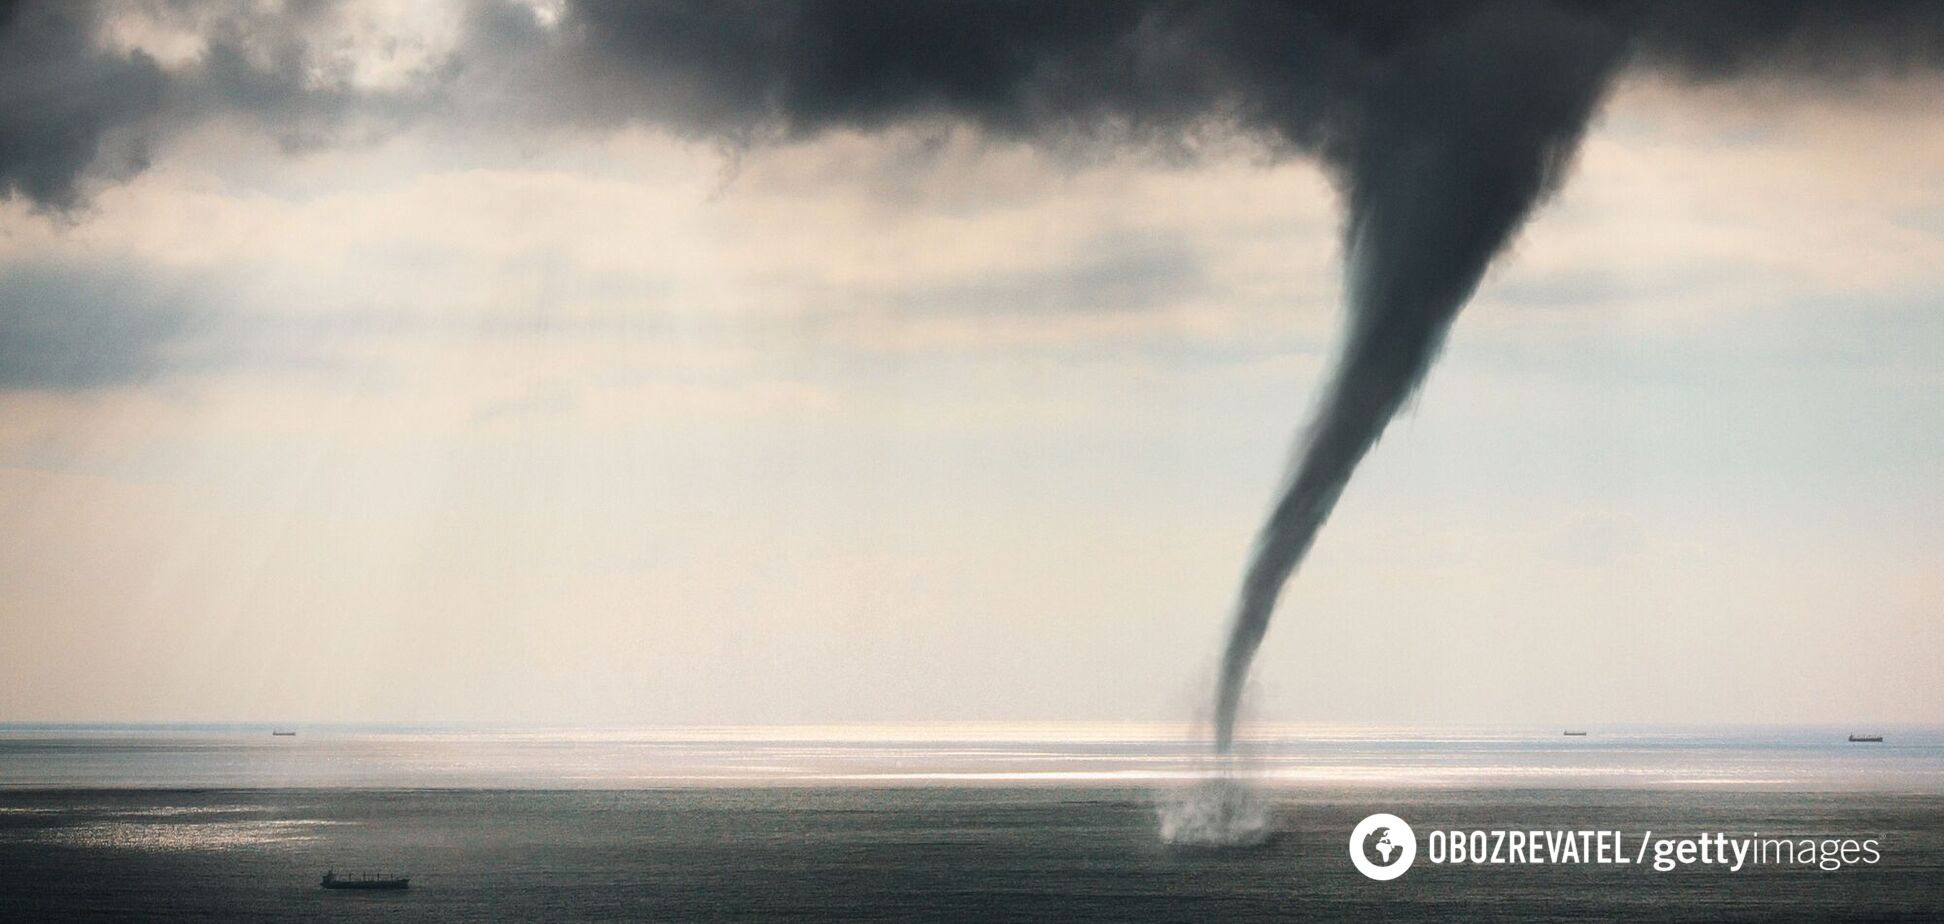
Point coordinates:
pixel 910 853
pixel 930 823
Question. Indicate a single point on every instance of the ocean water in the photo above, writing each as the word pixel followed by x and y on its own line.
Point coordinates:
pixel 215 823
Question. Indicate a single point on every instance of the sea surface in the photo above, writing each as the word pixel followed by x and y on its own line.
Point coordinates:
pixel 933 823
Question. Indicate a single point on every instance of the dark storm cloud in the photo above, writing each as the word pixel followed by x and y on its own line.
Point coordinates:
pixel 1819 39
pixel 1304 73
pixel 61 98
pixel 1310 76
pixel 72 108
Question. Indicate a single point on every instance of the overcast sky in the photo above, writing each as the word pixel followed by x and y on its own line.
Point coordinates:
pixel 325 399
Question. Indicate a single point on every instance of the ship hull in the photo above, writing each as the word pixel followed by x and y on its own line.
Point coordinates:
pixel 368 885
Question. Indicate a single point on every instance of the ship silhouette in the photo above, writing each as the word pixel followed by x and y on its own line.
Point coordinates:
pixel 366 881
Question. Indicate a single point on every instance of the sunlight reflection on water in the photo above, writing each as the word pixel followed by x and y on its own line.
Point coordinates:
pixel 338 757
pixel 184 836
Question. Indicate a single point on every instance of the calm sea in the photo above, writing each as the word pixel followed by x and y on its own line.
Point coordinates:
pixel 929 823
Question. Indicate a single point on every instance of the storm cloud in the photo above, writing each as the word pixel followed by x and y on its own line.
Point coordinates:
pixel 74 106
pixel 1311 78
pixel 1307 76
pixel 64 97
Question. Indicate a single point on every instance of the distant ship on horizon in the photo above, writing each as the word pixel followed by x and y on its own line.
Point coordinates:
pixel 1574 734
pixel 1866 739
pixel 283 734
pixel 366 881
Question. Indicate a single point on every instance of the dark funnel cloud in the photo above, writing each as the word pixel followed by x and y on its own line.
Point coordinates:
pixel 1443 124
pixel 1463 135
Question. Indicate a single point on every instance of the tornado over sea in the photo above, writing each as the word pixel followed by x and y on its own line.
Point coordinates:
pixel 1443 125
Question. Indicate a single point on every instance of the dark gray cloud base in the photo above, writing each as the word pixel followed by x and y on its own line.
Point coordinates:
pixel 60 97
pixel 73 108
pixel 1442 123
pixel 1306 75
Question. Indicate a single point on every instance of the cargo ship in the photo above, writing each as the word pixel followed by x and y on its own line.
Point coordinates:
pixel 1575 734
pixel 1867 739
pixel 365 881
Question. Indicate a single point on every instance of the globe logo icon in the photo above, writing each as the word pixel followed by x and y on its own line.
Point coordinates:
pixel 1379 848
pixel 1382 847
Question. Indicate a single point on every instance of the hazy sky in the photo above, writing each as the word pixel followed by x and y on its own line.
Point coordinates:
pixel 467 416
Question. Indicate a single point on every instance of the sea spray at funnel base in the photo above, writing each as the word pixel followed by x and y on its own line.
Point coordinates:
pixel 1222 811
